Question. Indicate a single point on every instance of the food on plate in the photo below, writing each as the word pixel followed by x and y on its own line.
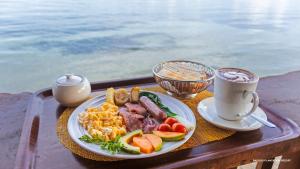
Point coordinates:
pixel 188 125
pixel 132 121
pixel 170 121
pixel 164 127
pixel 149 124
pixel 135 94
pixel 143 143
pixel 179 127
pixel 172 124
pixel 153 109
pixel 103 122
pixel 113 146
pixel 136 108
pixel 121 97
pixel 110 95
pixel 127 139
pixel 135 122
pixel 136 142
pixel 169 136
pixel 154 98
pixel 155 141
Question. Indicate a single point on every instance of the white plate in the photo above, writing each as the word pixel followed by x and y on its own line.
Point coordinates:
pixel 207 110
pixel 76 130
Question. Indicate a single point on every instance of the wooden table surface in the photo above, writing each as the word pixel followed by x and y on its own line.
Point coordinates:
pixel 12 113
pixel 280 93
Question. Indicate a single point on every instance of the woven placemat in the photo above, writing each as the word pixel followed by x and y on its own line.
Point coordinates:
pixel 204 131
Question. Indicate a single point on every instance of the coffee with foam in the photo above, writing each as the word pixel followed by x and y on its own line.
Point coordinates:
pixel 236 75
pixel 235 94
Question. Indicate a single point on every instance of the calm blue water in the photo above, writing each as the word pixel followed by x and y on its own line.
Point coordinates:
pixel 42 39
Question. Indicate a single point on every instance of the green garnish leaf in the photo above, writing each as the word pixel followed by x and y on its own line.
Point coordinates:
pixel 113 146
pixel 153 97
pixel 89 139
pixel 85 138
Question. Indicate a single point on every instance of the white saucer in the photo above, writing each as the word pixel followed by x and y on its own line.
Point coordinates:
pixel 207 110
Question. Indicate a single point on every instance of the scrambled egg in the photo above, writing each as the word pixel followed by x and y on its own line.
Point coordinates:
pixel 103 122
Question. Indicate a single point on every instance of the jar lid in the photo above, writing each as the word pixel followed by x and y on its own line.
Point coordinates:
pixel 69 79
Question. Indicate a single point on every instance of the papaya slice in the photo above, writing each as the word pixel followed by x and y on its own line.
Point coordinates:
pixel 155 141
pixel 143 143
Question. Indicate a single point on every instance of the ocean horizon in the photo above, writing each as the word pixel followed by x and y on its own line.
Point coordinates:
pixel 104 40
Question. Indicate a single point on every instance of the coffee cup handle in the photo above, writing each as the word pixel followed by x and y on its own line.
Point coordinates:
pixel 255 103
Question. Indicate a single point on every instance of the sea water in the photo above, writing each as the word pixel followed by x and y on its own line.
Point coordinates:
pixel 113 39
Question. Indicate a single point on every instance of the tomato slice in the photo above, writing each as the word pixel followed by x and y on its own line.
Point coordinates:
pixel 170 121
pixel 164 127
pixel 179 127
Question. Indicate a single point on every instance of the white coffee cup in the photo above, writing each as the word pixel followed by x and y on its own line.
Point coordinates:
pixel 234 93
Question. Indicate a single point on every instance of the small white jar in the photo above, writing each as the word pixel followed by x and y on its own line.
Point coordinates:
pixel 71 90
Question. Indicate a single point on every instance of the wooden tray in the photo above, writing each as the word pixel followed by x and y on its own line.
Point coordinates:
pixel 39 147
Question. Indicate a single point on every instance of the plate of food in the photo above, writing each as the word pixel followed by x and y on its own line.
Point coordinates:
pixel 131 124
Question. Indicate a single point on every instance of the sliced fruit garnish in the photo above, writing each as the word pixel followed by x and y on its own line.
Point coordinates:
pixel 128 138
pixel 143 143
pixel 169 136
pixel 155 140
